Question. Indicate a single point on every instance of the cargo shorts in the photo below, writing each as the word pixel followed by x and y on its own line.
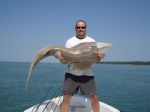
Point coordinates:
pixel 72 84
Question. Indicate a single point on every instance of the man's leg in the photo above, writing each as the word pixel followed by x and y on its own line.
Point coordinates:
pixel 95 103
pixel 89 88
pixel 65 103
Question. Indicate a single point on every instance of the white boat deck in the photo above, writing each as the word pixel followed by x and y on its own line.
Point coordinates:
pixel 78 104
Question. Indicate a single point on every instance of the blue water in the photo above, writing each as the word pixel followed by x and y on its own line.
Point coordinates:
pixel 126 87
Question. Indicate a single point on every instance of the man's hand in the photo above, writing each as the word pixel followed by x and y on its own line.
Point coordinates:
pixel 58 55
pixel 101 55
pixel 61 59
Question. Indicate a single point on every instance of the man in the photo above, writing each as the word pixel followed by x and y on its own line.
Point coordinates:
pixel 75 79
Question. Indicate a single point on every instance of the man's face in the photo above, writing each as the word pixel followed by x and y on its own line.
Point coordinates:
pixel 80 30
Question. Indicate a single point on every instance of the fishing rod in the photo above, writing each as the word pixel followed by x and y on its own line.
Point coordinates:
pixel 54 93
pixel 50 88
pixel 57 103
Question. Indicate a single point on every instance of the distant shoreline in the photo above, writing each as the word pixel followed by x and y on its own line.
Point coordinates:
pixel 127 62
pixel 103 62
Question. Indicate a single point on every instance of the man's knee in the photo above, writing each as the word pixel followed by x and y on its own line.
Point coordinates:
pixel 65 103
pixel 94 98
pixel 66 100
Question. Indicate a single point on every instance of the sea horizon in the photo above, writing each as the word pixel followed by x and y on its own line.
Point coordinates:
pixel 102 62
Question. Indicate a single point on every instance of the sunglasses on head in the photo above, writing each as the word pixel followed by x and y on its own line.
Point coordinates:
pixel 83 27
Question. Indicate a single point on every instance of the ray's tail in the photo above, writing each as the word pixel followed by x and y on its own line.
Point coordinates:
pixel 41 55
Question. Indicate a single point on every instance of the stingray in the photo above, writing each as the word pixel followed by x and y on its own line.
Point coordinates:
pixel 81 56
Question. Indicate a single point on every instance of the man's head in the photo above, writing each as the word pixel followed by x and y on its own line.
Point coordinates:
pixel 80 28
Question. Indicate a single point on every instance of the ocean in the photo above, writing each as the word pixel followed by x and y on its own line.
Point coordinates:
pixel 125 87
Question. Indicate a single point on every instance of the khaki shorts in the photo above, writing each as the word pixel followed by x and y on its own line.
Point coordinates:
pixel 73 83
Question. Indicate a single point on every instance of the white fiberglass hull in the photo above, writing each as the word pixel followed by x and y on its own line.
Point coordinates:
pixel 78 104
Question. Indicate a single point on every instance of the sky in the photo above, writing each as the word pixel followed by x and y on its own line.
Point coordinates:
pixel 27 26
